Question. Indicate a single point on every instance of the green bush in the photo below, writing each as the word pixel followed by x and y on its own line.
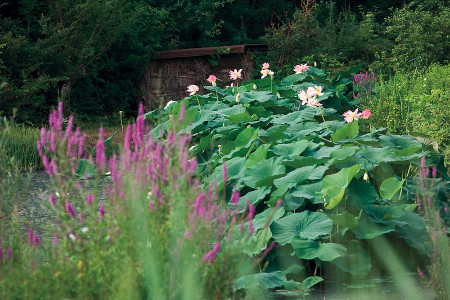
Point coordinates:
pixel 415 103
pixel 419 37
pixel 18 146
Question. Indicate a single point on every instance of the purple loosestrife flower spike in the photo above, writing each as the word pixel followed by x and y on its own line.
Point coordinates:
pixel 52 200
pixel 70 210
pixel 55 240
pixel 43 139
pixel 100 157
pixel 210 256
pixel 9 253
pixel 101 210
pixel 1 254
pixel 69 127
pixel 235 198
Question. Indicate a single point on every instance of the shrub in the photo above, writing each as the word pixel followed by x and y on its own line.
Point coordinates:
pixel 415 103
pixel 18 146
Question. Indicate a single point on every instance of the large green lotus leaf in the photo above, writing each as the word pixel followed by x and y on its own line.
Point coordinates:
pixel 291 79
pixel 290 119
pixel 243 117
pixel 343 155
pixel 256 243
pixel 325 152
pixel 375 156
pixel 235 170
pixel 307 249
pixel 386 214
pixel 262 219
pixel 310 282
pixel 278 194
pixel 308 191
pixel 258 155
pixel 356 261
pixel 264 172
pixel 361 193
pixel 205 142
pixel 295 148
pixel 347 131
pixel 317 72
pixel 302 129
pixel 274 133
pixel 262 280
pixel 400 141
pixel 334 185
pixel 84 166
pixel 305 225
pixel 246 137
pixel 367 229
pixel 390 187
pixel 259 110
pixel 259 96
pixel 344 219
pixel 303 161
pixel 292 203
pixel 255 197
pixel 300 175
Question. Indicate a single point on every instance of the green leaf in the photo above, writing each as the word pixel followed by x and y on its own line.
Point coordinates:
pixel 264 172
pixel 310 282
pixel 107 143
pixel 256 243
pixel 255 197
pixel 291 79
pixel 262 218
pixel 262 280
pixel 307 249
pixel 295 148
pixel 84 167
pixel 295 177
pixel 390 187
pixel 245 138
pixel 334 185
pixel 347 131
pixel 356 261
pixel 259 154
pixel 344 219
pixel 305 225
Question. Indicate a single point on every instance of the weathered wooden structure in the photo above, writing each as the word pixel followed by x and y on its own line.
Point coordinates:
pixel 168 76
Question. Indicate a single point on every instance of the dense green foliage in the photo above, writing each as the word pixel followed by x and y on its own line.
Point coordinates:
pixel 343 191
pixel 336 36
pixel 416 104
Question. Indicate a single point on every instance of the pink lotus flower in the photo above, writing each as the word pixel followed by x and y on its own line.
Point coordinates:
pixel 351 115
pixel 314 91
pixel 314 102
pixel 366 114
pixel 235 74
pixel 192 89
pixel 303 97
pixel 266 72
pixel 265 66
pixel 212 79
pixel 301 68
